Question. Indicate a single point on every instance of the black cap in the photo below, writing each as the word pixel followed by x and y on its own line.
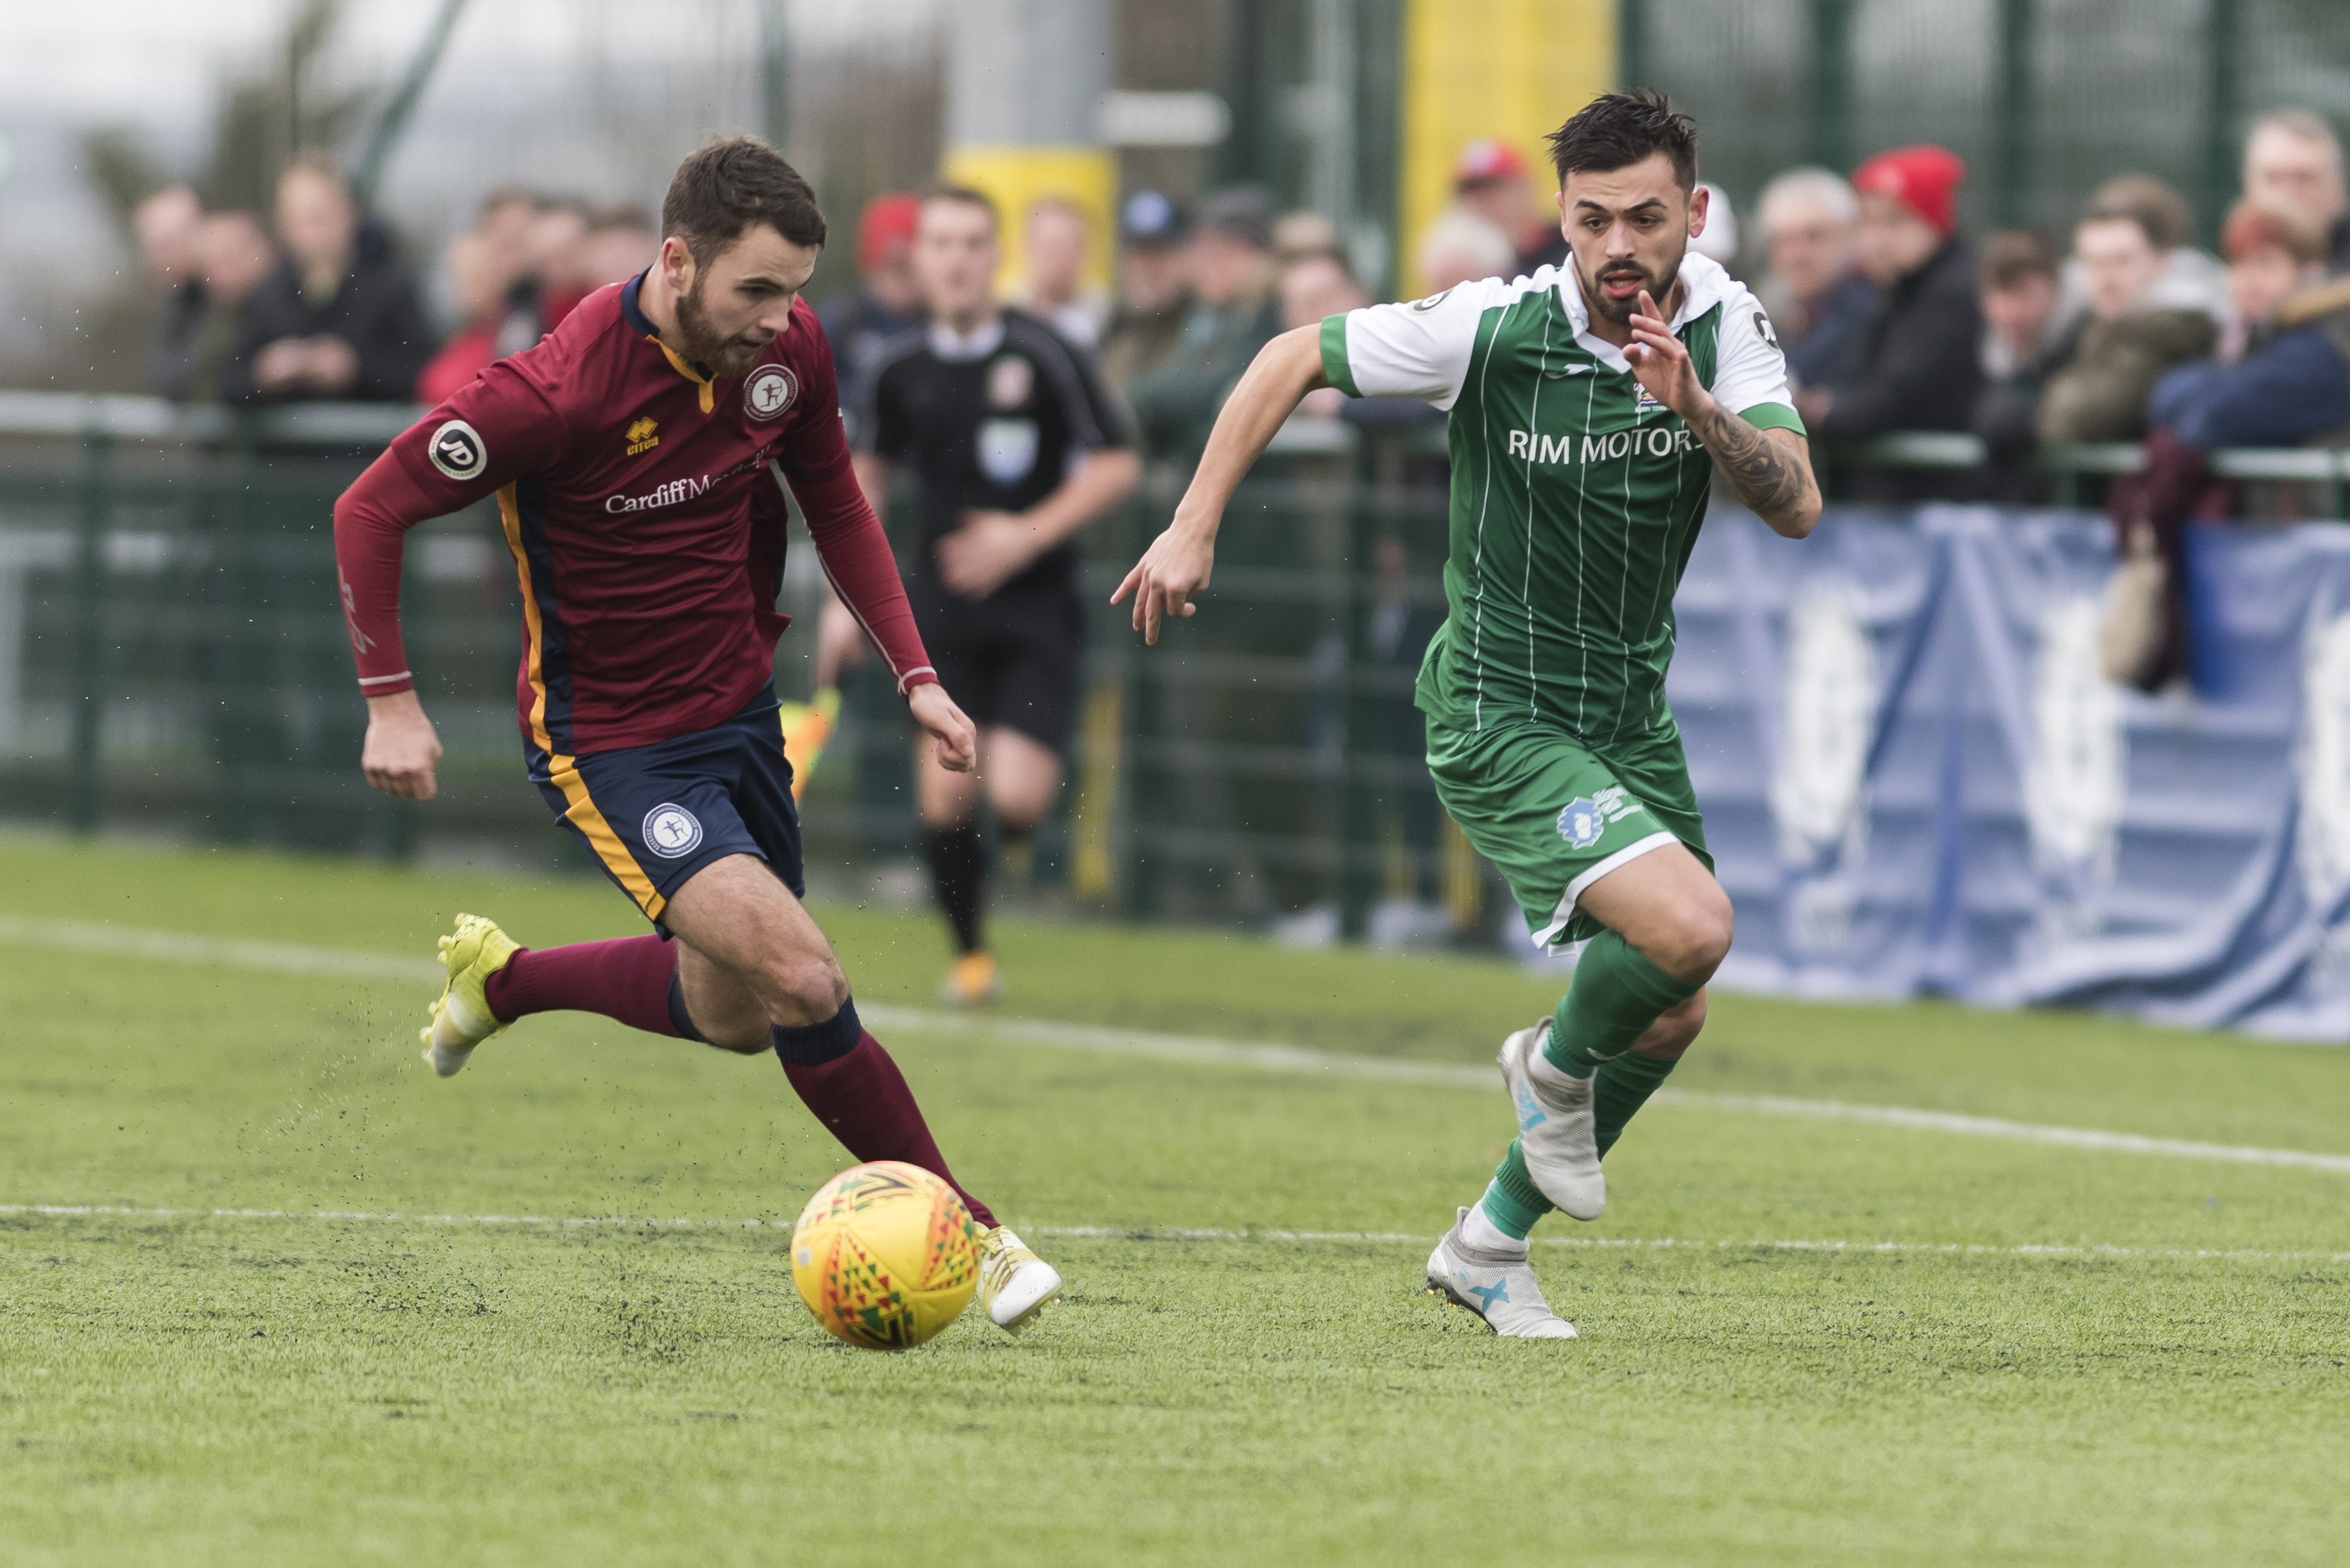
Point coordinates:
pixel 1245 213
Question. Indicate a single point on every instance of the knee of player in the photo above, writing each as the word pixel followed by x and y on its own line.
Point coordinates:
pixel 815 981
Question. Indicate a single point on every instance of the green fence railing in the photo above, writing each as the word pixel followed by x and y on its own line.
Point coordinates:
pixel 173 660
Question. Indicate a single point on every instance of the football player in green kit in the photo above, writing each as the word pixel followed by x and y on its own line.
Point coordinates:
pixel 1590 411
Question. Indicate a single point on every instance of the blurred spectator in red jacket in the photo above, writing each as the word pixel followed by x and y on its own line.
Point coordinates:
pixel 481 276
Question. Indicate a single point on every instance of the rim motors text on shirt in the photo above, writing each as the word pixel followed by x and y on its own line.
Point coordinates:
pixel 1659 440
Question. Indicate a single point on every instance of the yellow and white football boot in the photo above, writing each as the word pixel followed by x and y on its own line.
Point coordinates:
pixel 974 981
pixel 461 1018
pixel 1015 1283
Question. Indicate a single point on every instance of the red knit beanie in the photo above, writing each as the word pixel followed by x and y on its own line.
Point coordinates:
pixel 1925 180
pixel 887 220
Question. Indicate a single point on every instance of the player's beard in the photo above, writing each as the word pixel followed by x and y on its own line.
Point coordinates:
pixel 1619 311
pixel 704 344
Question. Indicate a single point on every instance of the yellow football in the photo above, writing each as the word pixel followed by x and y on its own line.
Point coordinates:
pixel 885 1255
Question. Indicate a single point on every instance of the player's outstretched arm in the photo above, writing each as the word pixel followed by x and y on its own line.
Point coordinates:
pixel 1179 561
pixel 1770 471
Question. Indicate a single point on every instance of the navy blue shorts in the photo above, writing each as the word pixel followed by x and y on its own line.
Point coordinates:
pixel 656 814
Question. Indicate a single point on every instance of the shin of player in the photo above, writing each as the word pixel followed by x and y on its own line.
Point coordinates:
pixel 1592 408
pixel 1019 449
pixel 638 457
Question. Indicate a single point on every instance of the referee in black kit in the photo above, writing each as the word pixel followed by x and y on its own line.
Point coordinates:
pixel 1018 448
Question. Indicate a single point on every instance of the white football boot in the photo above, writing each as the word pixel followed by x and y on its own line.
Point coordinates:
pixel 1497 1286
pixel 1015 1283
pixel 1554 1126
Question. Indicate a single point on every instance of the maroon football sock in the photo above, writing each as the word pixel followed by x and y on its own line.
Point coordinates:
pixel 632 979
pixel 864 1099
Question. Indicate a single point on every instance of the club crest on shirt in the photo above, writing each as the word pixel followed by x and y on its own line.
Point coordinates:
pixel 671 831
pixel 1762 330
pixel 1431 302
pixel 1009 382
pixel 642 437
pixel 1008 450
pixel 771 390
pixel 456 450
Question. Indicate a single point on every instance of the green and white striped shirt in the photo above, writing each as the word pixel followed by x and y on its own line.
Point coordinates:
pixel 1576 497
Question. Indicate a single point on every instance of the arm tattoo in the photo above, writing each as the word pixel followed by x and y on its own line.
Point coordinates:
pixel 1770 478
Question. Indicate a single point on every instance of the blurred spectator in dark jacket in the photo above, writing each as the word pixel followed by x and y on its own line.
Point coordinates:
pixel 2286 380
pixel 1154 288
pixel 2096 389
pixel 1818 299
pixel 233 257
pixel 165 225
pixel 2293 159
pixel 888 300
pixel 2019 270
pixel 1234 313
pixel 341 317
pixel 2285 383
pixel 1919 364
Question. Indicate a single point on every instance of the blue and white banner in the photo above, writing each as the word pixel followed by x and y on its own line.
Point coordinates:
pixel 1914 780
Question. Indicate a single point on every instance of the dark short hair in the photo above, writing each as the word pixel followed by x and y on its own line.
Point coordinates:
pixel 963 196
pixel 1617 130
pixel 2010 255
pixel 731 186
pixel 2160 212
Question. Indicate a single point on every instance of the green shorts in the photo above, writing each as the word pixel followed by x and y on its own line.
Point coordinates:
pixel 1556 815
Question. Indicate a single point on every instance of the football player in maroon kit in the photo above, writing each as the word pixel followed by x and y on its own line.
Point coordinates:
pixel 638 456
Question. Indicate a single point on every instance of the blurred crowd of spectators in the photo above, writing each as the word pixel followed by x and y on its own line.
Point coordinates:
pixel 317 303
pixel 1891 320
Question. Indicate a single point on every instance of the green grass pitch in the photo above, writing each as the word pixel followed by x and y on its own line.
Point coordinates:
pixel 1806 1342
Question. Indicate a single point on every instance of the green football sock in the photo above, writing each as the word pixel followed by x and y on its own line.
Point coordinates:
pixel 1512 1201
pixel 1615 994
pixel 1624 1085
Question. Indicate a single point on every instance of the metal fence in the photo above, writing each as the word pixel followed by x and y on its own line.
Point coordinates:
pixel 173 660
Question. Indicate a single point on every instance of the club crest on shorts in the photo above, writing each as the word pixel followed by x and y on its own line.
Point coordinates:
pixel 771 390
pixel 1582 822
pixel 671 831
pixel 456 450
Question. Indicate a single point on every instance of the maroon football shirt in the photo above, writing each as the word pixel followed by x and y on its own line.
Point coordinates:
pixel 642 503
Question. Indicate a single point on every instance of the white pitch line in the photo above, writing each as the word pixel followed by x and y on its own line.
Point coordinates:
pixel 1162 1233
pixel 280 958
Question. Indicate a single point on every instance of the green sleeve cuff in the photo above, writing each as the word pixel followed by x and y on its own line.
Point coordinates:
pixel 1761 416
pixel 1334 357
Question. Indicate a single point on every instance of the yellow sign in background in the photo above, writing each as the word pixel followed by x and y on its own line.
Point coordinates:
pixel 1015 178
pixel 1509 69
